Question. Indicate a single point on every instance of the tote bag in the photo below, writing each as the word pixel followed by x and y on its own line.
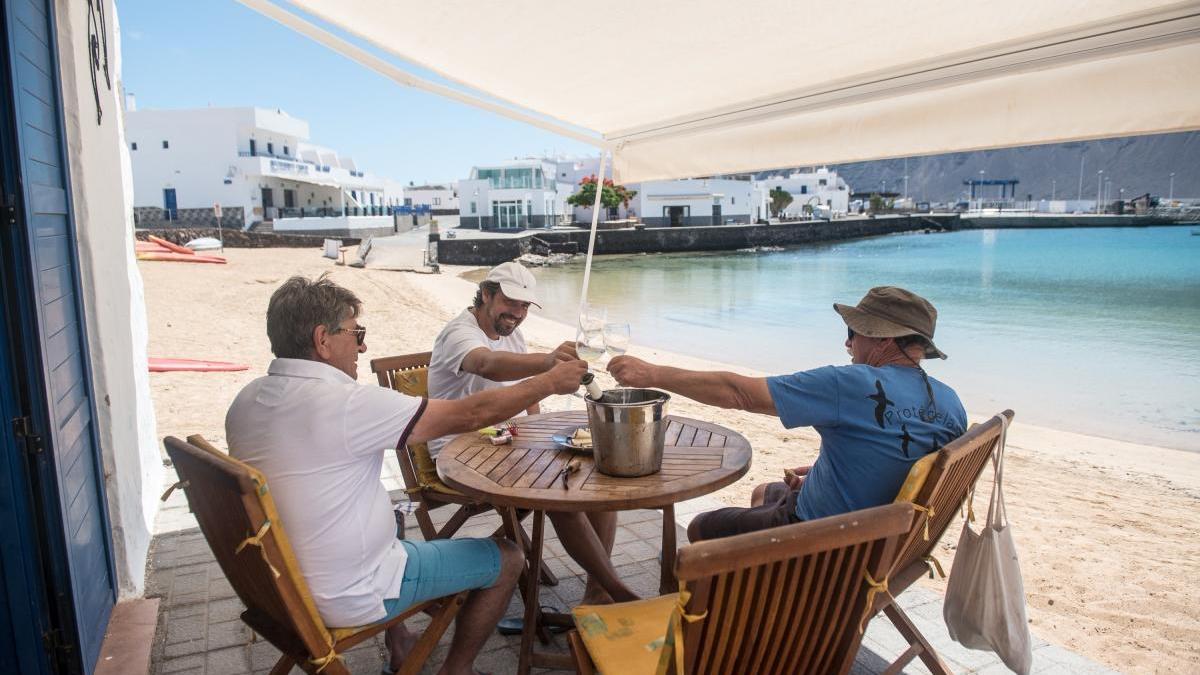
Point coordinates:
pixel 985 598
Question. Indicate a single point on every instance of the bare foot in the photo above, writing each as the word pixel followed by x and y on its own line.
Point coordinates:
pixel 594 594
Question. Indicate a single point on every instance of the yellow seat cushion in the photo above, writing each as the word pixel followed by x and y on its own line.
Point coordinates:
pixel 427 475
pixel 916 478
pixel 626 637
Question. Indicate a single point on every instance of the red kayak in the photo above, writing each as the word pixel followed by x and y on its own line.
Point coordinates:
pixel 149 247
pixel 172 256
pixel 170 245
pixel 158 365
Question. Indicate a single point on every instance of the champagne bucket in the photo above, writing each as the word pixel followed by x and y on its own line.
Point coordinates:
pixel 628 429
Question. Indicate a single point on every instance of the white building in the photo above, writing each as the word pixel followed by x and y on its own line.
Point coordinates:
pixel 257 164
pixel 439 199
pixel 814 188
pixel 707 201
pixel 514 195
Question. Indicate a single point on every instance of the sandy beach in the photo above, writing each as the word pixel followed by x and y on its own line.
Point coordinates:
pixel 1106 529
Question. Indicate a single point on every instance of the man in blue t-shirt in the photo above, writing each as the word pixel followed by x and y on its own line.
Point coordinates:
pixel 876 417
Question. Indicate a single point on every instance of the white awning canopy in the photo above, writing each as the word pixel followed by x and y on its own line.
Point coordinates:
pixel 707 87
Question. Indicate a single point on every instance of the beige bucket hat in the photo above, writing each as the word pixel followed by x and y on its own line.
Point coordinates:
pixel 889 312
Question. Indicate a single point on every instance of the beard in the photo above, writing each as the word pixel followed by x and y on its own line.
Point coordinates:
pixel 505 324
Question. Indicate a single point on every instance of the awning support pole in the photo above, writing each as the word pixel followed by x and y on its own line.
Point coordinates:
pixel 587 265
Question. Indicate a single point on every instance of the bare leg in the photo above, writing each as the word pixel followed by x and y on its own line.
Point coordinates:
pixel 582 540
pixel 759 494
pixel 399 641
pixel 605 525
pixel 482 610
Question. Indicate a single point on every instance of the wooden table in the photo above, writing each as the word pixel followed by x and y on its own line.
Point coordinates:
pixel 698 458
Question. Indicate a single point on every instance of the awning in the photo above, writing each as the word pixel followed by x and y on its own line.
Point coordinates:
pixel 706 87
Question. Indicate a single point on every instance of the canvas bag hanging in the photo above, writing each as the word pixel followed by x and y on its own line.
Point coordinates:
pixel 985 598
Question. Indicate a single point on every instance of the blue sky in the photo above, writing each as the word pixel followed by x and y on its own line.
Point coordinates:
pixel 188 54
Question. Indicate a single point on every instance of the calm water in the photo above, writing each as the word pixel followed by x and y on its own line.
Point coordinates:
pixel 1090 330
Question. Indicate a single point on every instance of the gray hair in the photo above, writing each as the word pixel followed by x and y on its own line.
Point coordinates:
pixel 299 306
pixel 489 287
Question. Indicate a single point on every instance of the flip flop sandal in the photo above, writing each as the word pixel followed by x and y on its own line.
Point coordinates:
pixel 513 625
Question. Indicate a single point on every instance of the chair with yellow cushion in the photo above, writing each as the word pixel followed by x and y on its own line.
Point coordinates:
pixel 792 599
pixel 237 515
pixel 409 374
pixel 937 486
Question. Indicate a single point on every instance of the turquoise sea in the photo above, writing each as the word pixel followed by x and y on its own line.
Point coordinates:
pixel 1088 330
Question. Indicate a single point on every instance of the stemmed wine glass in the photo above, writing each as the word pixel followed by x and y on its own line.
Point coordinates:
pixel 589 339
pixel 616 338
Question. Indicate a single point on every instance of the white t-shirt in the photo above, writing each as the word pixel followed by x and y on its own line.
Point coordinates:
pixel 447 380
pixel 319 437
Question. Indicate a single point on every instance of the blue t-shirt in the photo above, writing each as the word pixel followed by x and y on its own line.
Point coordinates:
pixel 875 423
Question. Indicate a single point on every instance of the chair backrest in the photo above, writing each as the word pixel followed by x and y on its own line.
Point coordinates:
pixel 237 515
pixel 789 599
pixel 407 373
pixel 954 471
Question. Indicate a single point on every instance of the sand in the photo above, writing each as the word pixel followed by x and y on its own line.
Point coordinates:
pixel 1106 530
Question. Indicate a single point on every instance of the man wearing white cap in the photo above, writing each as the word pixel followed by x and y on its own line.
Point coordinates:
pixel 482 348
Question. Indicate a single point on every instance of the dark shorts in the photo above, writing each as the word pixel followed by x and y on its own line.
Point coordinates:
pixel 778 508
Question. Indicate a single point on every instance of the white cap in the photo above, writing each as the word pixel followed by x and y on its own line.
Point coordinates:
pixel 515 281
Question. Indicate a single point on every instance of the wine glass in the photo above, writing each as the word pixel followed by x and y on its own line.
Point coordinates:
pixel 616 338
pixel 589 343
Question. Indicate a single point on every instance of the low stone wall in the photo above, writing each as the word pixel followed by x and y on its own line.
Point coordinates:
pixel 1001 222
pixel 155 217
pixel 242 239
pixel 685 239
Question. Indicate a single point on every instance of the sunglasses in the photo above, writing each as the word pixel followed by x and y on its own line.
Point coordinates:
pixel 360 333
pixel 849 333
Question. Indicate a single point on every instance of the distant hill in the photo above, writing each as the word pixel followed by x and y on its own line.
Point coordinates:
pixel 1139 164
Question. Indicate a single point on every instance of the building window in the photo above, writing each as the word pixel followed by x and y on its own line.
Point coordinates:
pixel 437 201
pixel 134 146
pixel 166 145
pixel 803 189
pixel 253 148
pixel 285 151
pixel 270 148
pixel 472 207
pixel 733 200
pixel 822 182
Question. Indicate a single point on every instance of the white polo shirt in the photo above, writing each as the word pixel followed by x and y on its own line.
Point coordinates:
pixel 319 437
pixel 447 379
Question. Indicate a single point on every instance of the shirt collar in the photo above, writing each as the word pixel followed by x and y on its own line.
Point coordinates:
pixel 307 369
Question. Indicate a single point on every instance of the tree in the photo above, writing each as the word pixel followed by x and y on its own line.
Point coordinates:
pixel 877 203
pixel 780 199
pixel 611 196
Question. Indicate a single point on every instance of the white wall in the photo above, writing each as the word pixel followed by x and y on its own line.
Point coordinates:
pixel 806 188
pixel 301 225
pixel 439 198
pixel 114 309
pixel 734 196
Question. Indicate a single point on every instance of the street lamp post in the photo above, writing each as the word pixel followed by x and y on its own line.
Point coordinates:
pixel 1171 190
pixel 1053 185
pixel 1079 197
pixel 1099 184
pixel 981 174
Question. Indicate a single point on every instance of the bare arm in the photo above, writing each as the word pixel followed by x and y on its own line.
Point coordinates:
pixel 722 389
pixel 502 366
pixel 444 417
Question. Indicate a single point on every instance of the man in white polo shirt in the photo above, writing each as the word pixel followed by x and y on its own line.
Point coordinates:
pixel 482 349
pixel 320 438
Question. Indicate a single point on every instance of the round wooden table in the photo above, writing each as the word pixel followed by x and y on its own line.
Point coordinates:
pixel 698 458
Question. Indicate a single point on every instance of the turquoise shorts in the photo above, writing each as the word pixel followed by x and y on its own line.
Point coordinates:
pixel 444 567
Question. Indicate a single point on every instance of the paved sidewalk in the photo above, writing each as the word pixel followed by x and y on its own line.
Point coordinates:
pixel 199 630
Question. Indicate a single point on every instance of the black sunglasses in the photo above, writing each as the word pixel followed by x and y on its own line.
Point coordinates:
pixel 360 333
pixel 849 333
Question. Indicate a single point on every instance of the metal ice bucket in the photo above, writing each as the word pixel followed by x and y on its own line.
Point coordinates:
pixel 628 429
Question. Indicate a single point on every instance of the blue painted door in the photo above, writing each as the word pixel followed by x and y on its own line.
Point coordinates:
pixel 170 204
pixel 68 490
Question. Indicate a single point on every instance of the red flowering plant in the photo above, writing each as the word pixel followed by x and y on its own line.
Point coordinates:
pixel 611 195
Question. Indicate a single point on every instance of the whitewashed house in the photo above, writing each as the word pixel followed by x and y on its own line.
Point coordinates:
pixel 812 189
pixel 438 199
pixel 258 165
pixel 515 195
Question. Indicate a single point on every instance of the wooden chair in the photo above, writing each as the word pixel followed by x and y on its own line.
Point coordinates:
pixel 238 518
pixel 409 374
pixel 937 486
pixel 791 599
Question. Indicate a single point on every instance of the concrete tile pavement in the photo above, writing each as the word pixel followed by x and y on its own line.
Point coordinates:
pixel 199 631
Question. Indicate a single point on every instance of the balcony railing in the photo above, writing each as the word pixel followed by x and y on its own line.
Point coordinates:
pixel 273 212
